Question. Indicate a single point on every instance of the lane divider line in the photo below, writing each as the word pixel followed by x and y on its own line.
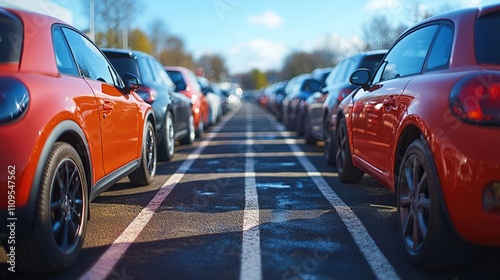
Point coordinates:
pixel 251 262
pixel 106 263
pixel 376 260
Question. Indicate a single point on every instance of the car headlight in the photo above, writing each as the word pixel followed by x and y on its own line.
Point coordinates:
pixel 14 99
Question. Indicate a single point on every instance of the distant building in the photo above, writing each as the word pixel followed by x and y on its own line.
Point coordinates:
pixel 40 6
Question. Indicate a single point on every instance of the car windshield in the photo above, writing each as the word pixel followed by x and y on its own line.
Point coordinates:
pixel 11 30
pixel 178 80
pixel 487 39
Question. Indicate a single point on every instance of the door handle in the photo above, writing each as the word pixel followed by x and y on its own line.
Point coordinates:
pixel 107 105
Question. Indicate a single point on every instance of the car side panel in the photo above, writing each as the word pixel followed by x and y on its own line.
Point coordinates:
pixel 465 155
pixel 376 113
pixel 121 125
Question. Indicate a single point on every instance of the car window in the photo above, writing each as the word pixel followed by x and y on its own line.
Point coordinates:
pixel 487 39
pixel 371 62
pixel 340 73
pixel 11 32
pixel 64 59
pixel 439 56
pixel 147 75
pixel 310 85
pixel 178 79
pixel 345 71
pixel 92 63
pixel 408 55
pixel 160 73
pixel 194 84
pixel 329 80
pixel 124 64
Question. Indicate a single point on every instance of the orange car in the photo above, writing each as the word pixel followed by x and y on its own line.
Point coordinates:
pixel 70 127
pixel 186 83
pixel 426 125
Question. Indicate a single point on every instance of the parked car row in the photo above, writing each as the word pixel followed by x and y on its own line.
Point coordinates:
pixel 422 118
pixel 74 120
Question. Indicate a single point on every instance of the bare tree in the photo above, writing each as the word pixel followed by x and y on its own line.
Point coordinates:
pixel 414 9
pixel 174 53
pixel 378 33
pixel 158 35
pixel 112 19
pixel 213 65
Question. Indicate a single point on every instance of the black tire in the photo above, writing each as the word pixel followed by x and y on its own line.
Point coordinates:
pixel 147 169
pixel 190 137
pixel 329 147
pixel 200 129
pixel 428 238
pixel 299 122
pixel 348 173
pixel 61 215
pixel 166 149
pixel 308 135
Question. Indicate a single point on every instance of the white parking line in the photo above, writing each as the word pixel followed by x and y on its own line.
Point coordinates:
pixel 106 263
pixel 251 263
pixel 377 261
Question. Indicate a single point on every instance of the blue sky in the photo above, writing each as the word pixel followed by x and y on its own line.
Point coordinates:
pixel 258 33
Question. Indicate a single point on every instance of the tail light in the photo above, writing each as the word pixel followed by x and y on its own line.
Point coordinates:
pixel 14 100
pixel 147 94
pixel 476 99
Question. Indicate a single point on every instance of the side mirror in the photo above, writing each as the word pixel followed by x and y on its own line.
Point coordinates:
pixel 131 82
pixel 361 77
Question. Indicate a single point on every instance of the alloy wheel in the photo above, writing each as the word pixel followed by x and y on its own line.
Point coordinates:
pixel 67 205
pixel 150 150
pixel 414 203
pixel 340 153
pixel 170 135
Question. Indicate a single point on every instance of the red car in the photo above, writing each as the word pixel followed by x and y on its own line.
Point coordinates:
pixel 70 127
pixel 186 83
pixel 427 125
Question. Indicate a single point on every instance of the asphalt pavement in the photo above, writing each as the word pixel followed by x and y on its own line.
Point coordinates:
pixel 249 201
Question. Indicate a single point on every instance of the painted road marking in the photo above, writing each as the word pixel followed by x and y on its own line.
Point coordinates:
pixel 377 261
pixel 106 263
pixel 251 262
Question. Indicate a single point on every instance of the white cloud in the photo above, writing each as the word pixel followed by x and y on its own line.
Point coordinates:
pixel 343 46
pixel 258 53
pixel 374 5
pixel 268 19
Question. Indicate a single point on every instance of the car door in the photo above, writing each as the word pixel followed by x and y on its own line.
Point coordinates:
pixel 180 103
pixel 119 112
pixel 378 110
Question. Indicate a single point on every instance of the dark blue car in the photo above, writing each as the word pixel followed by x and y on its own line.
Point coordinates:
pixel 174 120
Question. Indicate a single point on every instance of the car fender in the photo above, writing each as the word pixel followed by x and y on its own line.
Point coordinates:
pixel 64 128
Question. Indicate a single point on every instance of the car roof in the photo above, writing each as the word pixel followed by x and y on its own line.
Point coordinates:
pixel 115 52
pixel 40 43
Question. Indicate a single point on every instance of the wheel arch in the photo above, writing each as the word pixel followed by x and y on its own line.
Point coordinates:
pixel 406 137
pixel 66 131
pixel 151 117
